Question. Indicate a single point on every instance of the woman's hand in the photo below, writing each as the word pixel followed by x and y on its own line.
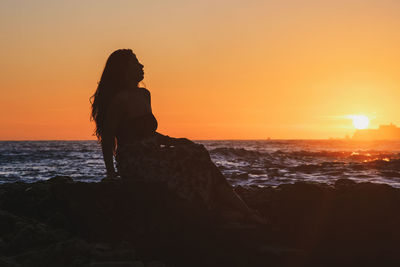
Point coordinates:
pixel 171 141
pixel 183 141
pixel 112 176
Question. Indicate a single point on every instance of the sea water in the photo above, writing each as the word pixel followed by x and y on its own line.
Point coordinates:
pixel 243 162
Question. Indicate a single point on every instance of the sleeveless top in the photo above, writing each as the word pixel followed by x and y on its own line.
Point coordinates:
pixel 136 128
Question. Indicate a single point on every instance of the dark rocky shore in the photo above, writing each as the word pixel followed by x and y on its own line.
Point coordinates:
pixel 64 223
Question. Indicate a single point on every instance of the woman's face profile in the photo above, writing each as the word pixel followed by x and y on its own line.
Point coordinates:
pixel 135 69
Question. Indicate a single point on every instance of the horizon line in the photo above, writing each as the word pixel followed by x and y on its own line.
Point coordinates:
pixel 235 139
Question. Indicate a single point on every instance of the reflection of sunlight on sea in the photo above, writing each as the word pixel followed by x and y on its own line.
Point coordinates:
pixel 272 163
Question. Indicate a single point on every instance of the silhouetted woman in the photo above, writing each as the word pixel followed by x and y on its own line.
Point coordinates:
pixel 126 128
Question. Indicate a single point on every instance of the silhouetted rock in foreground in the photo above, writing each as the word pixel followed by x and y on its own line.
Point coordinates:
pixel 64 223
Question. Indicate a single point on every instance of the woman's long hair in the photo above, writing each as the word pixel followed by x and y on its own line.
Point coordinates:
pixel 113 80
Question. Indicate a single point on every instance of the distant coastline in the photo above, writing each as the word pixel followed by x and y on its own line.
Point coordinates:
pixel 384 132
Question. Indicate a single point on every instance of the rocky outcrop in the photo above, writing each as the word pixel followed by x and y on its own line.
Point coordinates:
pixel 125 223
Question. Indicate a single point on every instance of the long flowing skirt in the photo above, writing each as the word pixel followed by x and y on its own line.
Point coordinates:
pixel 185 166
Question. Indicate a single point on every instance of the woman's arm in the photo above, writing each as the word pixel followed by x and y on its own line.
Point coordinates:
pixel 111 121
pixel 107 148
pixel 172 141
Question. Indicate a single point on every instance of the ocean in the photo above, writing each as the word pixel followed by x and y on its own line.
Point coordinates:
pixel 243 162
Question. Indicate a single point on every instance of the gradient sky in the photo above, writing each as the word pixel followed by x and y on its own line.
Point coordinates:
pixel 216 69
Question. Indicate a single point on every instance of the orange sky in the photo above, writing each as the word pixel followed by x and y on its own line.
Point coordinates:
pixel 224 69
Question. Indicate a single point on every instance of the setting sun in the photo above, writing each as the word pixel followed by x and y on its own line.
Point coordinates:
pixel 360 121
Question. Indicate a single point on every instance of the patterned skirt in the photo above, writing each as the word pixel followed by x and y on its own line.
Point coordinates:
pixel 185 166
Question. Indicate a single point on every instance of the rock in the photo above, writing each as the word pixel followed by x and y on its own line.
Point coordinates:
pixel 138 264
pixel 342 184
pixel 155 264
pixel 60 180
pixel 102 247
pixel 105 252
pixel 113 264
pixel 125 223
pixel 5 262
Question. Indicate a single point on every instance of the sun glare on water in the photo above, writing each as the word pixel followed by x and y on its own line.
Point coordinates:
pixel 360 121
